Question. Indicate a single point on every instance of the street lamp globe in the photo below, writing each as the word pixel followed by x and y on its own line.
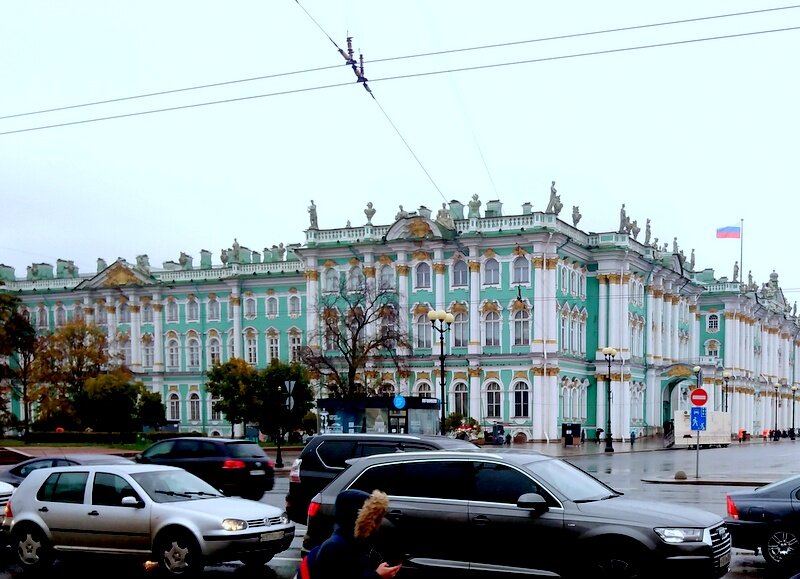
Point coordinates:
pixel 696 369
pixel 609 352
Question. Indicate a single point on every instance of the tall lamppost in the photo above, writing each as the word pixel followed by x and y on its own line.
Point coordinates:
pixel 440 321
pixel 609 354
pixel 794 389
pixel 726 376
pixel 775 436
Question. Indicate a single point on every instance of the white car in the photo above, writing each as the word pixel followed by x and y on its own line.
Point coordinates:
pixel 154 513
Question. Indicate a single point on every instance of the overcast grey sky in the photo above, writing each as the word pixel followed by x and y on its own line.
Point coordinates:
pixel 694 135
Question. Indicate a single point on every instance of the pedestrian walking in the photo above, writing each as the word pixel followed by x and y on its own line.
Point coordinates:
pixel 346 553
pixel 598 433
pixel 508 440
pixel 583 435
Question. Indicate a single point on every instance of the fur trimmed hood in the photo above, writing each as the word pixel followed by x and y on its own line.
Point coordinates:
pixel 371 514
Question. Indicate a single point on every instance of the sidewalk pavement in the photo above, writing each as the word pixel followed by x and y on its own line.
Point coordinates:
pixel 553 448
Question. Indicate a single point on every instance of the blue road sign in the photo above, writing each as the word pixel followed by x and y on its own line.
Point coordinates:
pixel 698 418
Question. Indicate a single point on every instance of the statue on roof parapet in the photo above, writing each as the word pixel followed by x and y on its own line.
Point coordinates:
pixel 369 212
pixel 576 215
pixel 647 232
pixel 312 214
pixel 443 217
pixel 402 214
pixel 474 206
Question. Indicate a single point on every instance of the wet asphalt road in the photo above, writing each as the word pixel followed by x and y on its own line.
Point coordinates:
pixel 622 470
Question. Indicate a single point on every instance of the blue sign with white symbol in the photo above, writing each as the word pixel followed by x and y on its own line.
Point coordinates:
pixel 399 402
pixel 698 418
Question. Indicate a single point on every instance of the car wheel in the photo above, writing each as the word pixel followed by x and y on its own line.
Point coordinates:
pixel 32 547
pixel 178 555
pixel 780 548
pixel 616 563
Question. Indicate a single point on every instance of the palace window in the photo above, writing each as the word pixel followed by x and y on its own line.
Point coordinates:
pixel 194 353
pixel 148 352
pixel 491 329
pixel 460 274
pixel 213 310
pixel 521 270
pixel 422 278
pixel 173 354
pixel 295 346
pixel 422 332
pixel 491 272
pixel 355 279
pixel 250 308
pixel 124 314
pixel 174 407
pixel 331 280
pixel 712 323
pixel 192 311
pixel 147 313
pixel 194 407
pixel 273 347
pixel 294 306
pixel 251 349
pixel 521 397
pixel 272 307
pixel 216 413
pixel 460 330
pixel 424 390
pixel 522 328
pixel 214 351
pixel 61 316
pixel 493 400
pixel 387 277
pixel 172 312
pixel 460 405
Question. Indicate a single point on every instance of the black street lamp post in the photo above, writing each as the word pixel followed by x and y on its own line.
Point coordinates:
pixel 794 389
pixel 726 376
pixel 609 354
pixel 440 321
pixel 775 436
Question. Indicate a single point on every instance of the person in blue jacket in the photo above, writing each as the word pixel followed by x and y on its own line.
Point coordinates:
pixel 346 553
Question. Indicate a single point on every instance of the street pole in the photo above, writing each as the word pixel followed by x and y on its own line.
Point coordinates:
pixel 698 371
pixel 794 389
pixel 775 433
pixel 609 354
pixel 440 321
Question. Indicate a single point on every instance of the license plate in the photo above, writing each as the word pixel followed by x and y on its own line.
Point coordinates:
pixel 273 536
pixel 725 559
pixel 258 472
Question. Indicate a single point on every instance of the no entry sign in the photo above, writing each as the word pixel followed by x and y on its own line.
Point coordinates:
pixel 699 397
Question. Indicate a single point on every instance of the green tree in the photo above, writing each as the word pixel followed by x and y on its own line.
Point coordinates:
pixel 271 408
pixel 231 383
pixel 17 352
pixel 110 402
pixel 358 325
pixel 151 410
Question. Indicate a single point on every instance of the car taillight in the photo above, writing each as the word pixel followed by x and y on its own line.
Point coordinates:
pixel 270 463
pixel 233 464
pixel 294 472
pixel 313 508
pixel 733 512
pixel 8 514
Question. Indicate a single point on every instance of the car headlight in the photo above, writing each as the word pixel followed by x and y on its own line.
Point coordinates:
pixel 234 524
pixel 679 535
pixel 284 518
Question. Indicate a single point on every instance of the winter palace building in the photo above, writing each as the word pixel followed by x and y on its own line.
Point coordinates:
pixel 535 301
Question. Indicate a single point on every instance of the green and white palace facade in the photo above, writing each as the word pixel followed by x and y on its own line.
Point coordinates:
pixel 535 301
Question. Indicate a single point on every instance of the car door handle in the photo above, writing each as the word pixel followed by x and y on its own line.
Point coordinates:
pixel 44 510
pixel 394 515
pixel 93 514
pixel 481 520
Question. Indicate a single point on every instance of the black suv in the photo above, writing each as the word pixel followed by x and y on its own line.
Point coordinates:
pixel 323 458
pixel 236 467
pixel 509 513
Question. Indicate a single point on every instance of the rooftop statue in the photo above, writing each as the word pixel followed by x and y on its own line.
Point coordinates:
pixel 576 215
pixel 634 229
pixel 443 217
pixel 647 232
pixel 554 198
pixel 402 214
pixel 312 214
pixel 623 220
pixel 369 212
pixel 735 272
pixel 474 206
pixel 691 260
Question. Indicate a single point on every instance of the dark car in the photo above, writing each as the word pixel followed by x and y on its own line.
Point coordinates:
pixel 768 519
pixel 16 474
pixel 323 458
pixel 512 513
pixel 236 467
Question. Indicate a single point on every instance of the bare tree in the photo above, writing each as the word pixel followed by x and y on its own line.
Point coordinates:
pixel 358 330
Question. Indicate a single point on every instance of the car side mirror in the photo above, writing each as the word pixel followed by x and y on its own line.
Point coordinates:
pixel 532 501
pixel 129 501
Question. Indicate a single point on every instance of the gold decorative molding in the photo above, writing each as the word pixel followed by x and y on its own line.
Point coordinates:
pixel 88 311
pixel 490 307
pixel 459 375
pixel 657 293
pixel 553 371
pixel 419 228
pixel 519 251
pixel 602 278
pixel 158 308
pixel 147 339
pixel 538 372
pixel 458 308
pixel 614 278
pixel 439 268
pixel 538 262
pixel 423 376
pixel 120 275
pixel 369 271
pixel 692 309
pixel 135 309
pixel 247 294
pixel 474 266
pixel 354 262
pixel 212 296
pixel 387 377
pixel 676 300
pixel 272 332
pixel 551 262
pixel 626 278
pixel 99 301
pixel 518 305
pixel 420 309
pixel 649 291
pixel 728 315
pixel 474 372
pixel 271 292
pixel 402 270
pixel 492 375
pixel 312 275
pixel 111 309
pixel 520 375
pixel 489 253
pixel 235 300
pixel 421 255
pixel 295 332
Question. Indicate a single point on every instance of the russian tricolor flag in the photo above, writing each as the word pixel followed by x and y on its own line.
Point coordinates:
pixel 731 232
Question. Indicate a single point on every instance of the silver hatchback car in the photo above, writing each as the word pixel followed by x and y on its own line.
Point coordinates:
pixel 154 513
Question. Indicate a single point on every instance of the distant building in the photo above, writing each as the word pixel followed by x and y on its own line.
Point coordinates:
pixel 534 299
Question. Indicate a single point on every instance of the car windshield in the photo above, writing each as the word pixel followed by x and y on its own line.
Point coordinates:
pixel 168 486
pixel 245 450
pixel 572 482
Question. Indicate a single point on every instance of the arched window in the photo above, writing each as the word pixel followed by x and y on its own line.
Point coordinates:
pixel 124 314
pixel 422 332
pixel 387 389
pixel 422 278
pixel 213 309
pixel 460 274
pixel 521 269
pixel 192 311
pixel 491 327
pixel 148 352
pixel 294 306
pixel 273 347
pixel 272 306
pixel 77 313
pixel 424 390
pixel 214 351
pixel 563 330
pixel 331 280
pixel 61 315
pixel 194 407
pixel 493 400
pixel 460 400
pixel 41 317
pixel 125 351
pixel 522 328
pixel 521 397
pixel 250 307
pixel 147 313
pixel 174 407
pixel 216 414
pixel 573 278
pixel 101 315
pixel 387 277
pixel 231 347
pixel 173 354
pixel 355 279
pixel 563 279
pixel 295 346
pixel 251 348
pixel 460 330
pixel 712 323
pixel 193 347
pixel 172 311
pixel 491 272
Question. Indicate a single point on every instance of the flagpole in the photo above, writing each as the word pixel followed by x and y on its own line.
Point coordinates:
pixel 741 248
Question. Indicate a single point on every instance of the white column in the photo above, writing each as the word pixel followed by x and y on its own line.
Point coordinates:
pixel 648 328
pixel 539 416
pixel 474 307
pixel 658 320
pixel 312 303
pixel 439 270
pixel 88 310
pixel 548 303
pixel 402 294
pixel 694 335
pixel 667 329
pixel 158 336
pixel 136 336
pixel 624 320
pixel 676 318
pixel 111 312
pixel 614 307
pixel 602 314
pixel 235 302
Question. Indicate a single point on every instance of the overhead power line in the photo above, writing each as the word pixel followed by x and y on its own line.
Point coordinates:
pixel 394 58
pixel 419 74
